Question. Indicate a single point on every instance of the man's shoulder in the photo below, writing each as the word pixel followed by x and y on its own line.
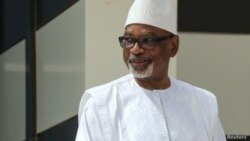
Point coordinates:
pixel 108 87
pixel 197 96
pixel 193 89
pixel 104 94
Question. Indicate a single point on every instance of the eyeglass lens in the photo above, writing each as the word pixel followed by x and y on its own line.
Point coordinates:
pixel 144 42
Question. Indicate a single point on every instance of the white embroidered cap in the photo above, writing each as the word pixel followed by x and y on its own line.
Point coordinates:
pixel 158 13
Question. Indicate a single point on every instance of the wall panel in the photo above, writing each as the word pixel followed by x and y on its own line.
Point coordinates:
pixel 60 67
pixel 12 93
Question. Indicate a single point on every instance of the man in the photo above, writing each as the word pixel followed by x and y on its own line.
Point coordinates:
pixel 148 105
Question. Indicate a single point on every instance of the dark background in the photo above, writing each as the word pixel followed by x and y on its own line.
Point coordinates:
pixel 14 16
pixel 219 16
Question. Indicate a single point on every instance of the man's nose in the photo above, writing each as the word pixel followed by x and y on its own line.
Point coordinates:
pixel 136 49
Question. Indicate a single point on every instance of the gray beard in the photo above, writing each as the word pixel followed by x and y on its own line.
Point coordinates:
pixel 141 73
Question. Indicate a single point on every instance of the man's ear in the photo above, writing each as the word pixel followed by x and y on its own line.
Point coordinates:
pixel 174 45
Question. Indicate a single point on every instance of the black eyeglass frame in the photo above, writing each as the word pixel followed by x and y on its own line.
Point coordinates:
pixel 140 41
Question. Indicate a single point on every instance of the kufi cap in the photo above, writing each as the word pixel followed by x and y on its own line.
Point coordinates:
pixel 157 13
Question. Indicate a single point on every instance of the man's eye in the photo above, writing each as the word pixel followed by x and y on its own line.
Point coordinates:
pixel 148 40
pixel 129 40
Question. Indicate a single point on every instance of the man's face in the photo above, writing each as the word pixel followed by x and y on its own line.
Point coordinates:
pixel 148 63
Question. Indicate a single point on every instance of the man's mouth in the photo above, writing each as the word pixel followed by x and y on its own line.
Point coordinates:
pixel 139 63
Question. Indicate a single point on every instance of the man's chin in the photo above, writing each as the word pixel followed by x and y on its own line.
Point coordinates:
pixel 140 74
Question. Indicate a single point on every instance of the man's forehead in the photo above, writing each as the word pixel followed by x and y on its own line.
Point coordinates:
pixel 143 28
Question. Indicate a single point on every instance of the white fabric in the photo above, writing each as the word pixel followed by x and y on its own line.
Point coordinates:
pixel 123 111
pixel 158 13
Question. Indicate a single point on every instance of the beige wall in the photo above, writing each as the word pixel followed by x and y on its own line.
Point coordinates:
pixel 103 57
pixel 220 63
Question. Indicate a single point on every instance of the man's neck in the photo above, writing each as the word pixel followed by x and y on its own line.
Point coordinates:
pixel 154 84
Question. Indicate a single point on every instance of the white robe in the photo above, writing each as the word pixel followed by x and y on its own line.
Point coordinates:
pixel 123 111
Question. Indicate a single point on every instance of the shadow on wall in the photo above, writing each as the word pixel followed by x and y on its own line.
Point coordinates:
pixel 65 131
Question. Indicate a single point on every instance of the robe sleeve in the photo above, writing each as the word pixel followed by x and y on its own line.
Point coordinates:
pixel 217 131
pixel 219 134
pixel 89 126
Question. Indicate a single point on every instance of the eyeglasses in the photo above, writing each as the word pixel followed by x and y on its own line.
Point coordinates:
pixel 144 42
